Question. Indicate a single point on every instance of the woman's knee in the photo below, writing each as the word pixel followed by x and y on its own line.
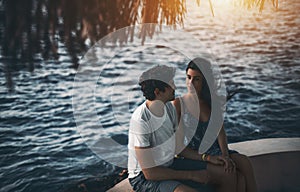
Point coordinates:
pixel 218 175
pixel 242 161
pixel 239 157
pixel 184 188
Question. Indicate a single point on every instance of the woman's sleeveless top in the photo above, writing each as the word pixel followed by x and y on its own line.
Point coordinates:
pixel 194 131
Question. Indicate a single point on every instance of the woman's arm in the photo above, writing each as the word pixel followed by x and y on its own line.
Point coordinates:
pixel 176 103
pixel 179 132
pixel 222 140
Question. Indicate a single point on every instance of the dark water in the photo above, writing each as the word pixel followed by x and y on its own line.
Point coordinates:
pixel 259 56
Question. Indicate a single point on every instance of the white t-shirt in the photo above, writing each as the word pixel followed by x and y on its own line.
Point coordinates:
pixel 156 133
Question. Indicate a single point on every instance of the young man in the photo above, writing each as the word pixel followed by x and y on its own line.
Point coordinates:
pixel 152 144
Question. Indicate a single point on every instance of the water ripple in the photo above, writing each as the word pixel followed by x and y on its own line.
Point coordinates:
pixel 42 149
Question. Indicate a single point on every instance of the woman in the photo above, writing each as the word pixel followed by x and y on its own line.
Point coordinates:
pixel 191 117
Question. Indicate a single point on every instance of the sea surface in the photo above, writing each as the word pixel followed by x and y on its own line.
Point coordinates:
pixel 44 147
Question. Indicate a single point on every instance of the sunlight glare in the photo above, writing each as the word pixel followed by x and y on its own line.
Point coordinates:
pixel 222 3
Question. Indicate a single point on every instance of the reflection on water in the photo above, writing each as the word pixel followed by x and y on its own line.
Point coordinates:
pixel 36 30
pixel 259 56
pixel 41 149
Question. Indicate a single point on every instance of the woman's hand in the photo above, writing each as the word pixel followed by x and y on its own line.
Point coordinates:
pixel 229 164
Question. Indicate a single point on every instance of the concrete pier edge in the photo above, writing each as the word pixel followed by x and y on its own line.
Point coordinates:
pixel 275 163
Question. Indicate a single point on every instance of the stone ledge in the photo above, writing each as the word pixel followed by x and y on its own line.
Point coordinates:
pixel 275 163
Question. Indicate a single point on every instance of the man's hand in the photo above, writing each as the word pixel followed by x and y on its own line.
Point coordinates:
pixel 217 160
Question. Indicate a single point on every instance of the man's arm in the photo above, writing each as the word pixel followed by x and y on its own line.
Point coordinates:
pixel 153 172
pixel 190 154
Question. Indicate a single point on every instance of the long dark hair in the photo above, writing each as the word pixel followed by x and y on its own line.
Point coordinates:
pixel 206 72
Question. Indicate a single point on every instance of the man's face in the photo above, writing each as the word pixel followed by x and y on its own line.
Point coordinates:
pixel 170 91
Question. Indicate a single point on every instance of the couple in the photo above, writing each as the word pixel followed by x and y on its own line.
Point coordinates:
pixel 163 155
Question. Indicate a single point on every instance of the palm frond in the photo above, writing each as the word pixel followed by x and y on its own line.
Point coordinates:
pixel 75 21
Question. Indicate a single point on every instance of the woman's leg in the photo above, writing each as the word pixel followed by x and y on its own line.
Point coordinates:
pixel 184 188
pixel 241 182
pixel 244 165
pixel 224 181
